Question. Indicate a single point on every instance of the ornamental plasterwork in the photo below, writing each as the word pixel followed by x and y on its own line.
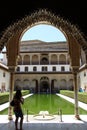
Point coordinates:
pixel 43 16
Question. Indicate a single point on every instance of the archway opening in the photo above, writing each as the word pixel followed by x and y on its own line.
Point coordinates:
pixel 45 32
pixel 44 87
pixel 14 33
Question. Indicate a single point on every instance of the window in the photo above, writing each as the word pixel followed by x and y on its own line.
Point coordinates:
pixel 3 74
pixel 18 68
pixel 44 68
pixel 54 68
pixel 70 69
pixel 26 69
pixel 44 60
pixel 62 68
pixel 34 68
pixel 84 74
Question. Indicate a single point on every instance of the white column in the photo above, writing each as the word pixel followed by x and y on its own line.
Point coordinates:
pixel 75 70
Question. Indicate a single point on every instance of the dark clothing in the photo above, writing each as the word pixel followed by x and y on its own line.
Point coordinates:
pixel 17 107
pixel 18 100
pixel 18 113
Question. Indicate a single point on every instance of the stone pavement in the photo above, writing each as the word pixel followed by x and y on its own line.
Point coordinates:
pixel 81 104
pixel 68 123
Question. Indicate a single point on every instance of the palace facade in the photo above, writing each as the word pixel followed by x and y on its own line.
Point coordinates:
pixel 44 67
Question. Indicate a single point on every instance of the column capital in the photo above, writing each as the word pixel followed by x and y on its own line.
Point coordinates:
pixel 75 69
pixel 11 69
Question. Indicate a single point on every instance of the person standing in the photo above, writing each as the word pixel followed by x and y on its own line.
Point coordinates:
pixel 18 101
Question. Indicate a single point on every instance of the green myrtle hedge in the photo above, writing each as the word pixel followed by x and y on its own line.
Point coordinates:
pixel 82 96
pixel 4 97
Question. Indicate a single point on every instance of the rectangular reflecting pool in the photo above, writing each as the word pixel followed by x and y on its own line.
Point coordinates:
pixel 47 102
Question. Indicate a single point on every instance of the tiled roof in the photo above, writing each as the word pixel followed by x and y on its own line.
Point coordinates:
pixel 36 45
pixel 3 66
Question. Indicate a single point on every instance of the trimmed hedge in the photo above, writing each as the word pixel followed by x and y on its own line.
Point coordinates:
pixel 82 96
pixel 4 97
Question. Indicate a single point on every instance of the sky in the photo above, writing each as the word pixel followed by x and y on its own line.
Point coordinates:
pixel 43 32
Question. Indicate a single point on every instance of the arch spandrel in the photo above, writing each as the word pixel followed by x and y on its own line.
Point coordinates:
pixel 43 16
pixel 74 51
pixel 13 49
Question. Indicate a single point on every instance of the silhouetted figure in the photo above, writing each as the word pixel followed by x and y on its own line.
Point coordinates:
pixel 18 100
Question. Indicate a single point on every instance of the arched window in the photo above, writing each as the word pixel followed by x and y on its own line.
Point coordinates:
pixel 54 59
pixel 26 60
pixel 62 59
pixel 35 60
pixel 44 60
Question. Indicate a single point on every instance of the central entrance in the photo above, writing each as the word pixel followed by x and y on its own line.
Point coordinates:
pixel 44 85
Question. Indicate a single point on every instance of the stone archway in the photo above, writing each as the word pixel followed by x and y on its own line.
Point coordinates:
pixel 12 35
pixel 42 16
pixel 44 85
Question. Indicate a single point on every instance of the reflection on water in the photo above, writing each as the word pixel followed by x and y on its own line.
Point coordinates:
pixel 44 101
pixel 47 102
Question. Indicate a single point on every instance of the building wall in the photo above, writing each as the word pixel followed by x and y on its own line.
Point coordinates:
pixel 82 79
pixel 4 79
pixel 50 70
pixel 36 68
pixel 57 81
pixel 39 67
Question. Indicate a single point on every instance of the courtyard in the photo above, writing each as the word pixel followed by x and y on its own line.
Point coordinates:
pixel 64 122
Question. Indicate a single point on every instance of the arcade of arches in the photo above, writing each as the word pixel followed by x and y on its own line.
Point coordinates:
pixel 11 39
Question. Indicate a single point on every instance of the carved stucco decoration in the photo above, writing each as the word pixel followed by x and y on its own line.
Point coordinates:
pixel 42 16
